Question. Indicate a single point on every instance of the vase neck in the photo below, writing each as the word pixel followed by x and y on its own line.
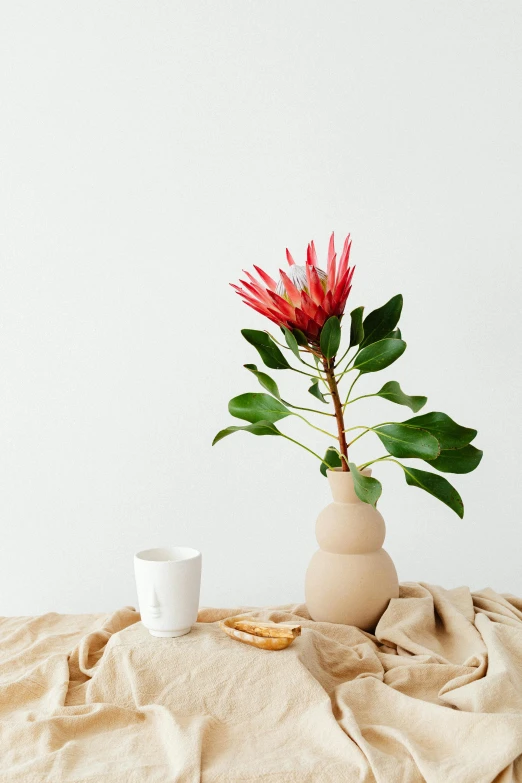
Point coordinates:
pixel 341 484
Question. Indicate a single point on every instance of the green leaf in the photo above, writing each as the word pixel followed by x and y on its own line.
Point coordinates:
pixel 316 391
pixel 392 391
pixel 379 323
pixel 395 335
pixel 330 337
pixel 401 440
pixel 367 489
pixel 256 406
pixel 356 326
pixel 292 343
pixel 379 355
pixel 462 460
pixel 300 337
pixel 449 434
pixel 267 349
pixel 259 428
pixel 437 486
pixel 265 380
pixel 332 458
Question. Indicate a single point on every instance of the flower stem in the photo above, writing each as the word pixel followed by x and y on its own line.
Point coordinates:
pixel 287 348
pixel 372 461
pixel 325 432
pixel 361 397
pixel 328 365
pixel 316 360
pixel 350 391
pixel 306 449
pixel 341 376
pixel 315 377
pixel 366 431
pixel 281 345
pixel 341 360
pixel 310 410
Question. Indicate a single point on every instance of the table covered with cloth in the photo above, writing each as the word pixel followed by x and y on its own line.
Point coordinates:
pixel 435 694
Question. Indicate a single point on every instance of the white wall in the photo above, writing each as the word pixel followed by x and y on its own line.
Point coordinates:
pixel 151 150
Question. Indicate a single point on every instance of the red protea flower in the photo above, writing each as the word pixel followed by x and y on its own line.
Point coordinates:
pixel 305 296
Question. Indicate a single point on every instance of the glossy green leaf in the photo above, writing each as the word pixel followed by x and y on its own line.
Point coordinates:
pixel 392 391
pixel 330 337
pixel 401 440
pixel 449 434
pixel 300 337
pixel 332 458
pixel 356 326
pixel 437 486
pixel 395 335
pixel 265 380
pixel 367 489
pixel 379 355
pixel 379 323
pixel 258 428
pixel 316 391
pixel 292 343
pixel 462 460
pixel 256 406
pixel 267 349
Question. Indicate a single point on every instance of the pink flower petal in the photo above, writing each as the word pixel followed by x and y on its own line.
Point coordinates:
pixel 301 319
pixel 308 306
pixel 291 290
pixel 289 257
pixel 282 305
pixel 266 278
pixel 345 255
pixel 331 248
pixel 328 303
pixel 279 319
pixel 320 317
pixel 257 292
pixel 316 288
pixel 312 329
pixel 331 272
pixel 311 255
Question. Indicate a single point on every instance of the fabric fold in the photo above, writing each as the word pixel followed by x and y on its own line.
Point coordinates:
pixel 435 694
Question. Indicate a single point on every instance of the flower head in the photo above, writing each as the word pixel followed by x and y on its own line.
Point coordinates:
pixel 304 297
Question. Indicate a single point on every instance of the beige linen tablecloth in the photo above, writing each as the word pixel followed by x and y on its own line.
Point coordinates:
pixel 435 695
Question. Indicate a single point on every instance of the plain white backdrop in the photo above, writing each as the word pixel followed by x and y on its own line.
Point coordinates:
pixel 151 150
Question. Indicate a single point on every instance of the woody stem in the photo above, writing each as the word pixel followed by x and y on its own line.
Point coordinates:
pixel 328 365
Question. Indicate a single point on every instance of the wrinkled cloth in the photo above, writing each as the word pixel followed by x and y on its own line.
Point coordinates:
pixel 435 694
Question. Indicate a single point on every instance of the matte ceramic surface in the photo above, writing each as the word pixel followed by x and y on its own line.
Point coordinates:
pixel 351 578
pixel 168 583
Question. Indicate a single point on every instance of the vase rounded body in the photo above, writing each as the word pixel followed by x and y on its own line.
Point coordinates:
pixel 351 578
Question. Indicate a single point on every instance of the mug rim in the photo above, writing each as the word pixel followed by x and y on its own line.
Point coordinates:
pixel 186 553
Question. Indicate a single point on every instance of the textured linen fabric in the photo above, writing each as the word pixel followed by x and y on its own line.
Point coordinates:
pixel 435 695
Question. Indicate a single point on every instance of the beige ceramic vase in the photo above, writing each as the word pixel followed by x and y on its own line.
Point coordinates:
pixel 351 578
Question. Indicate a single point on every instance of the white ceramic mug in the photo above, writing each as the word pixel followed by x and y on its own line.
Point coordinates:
pixel 168 582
